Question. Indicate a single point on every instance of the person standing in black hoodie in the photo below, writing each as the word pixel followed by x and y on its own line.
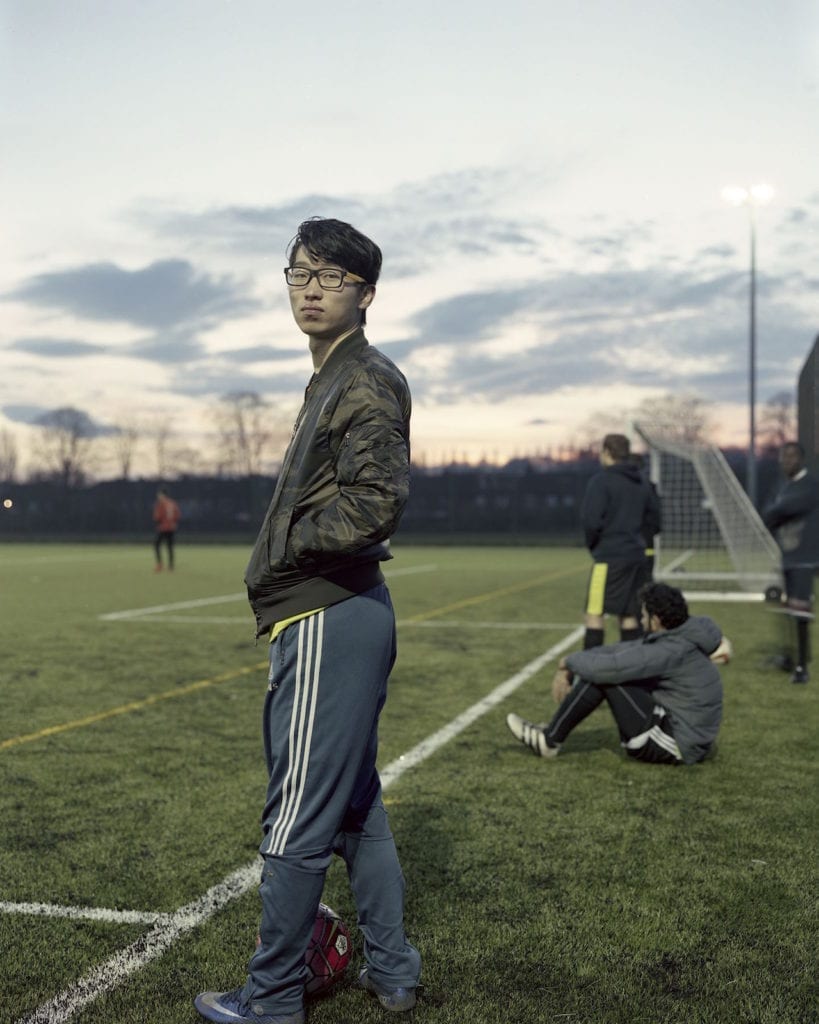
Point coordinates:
pixel 617 503
pixel 793 516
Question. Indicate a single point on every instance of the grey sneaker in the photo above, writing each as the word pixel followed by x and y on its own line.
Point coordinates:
pixel 800 675
pixel 532 735
pixel 231 1008
pixel 397 999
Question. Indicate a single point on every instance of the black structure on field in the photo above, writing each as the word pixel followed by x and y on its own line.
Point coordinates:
pixel 807 401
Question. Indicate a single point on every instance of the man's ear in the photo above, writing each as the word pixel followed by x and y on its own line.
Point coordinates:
pixel 367 296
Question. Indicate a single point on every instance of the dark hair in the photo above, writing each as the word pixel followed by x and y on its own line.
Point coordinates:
pixel 667 603
pixel 336 241
pixel 618 446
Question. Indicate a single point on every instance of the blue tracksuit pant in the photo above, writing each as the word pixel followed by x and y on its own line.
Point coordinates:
pixel 328 683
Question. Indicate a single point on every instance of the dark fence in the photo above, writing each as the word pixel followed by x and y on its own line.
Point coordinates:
pixel 509 503
pixel 441 502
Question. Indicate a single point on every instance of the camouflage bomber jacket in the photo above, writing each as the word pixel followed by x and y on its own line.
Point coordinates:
pixel 342 488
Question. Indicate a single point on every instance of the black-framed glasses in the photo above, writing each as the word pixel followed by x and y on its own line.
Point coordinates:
pixel 329 278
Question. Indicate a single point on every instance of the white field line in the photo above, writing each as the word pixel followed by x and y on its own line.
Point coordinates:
pixel 200 602
pixel 203 602
pixel 147 947
pixel 475 624
pixel 85 913
pixel 432 743
pixel 681 559
pixel 723 597
pixel 401 624
pixel 170 927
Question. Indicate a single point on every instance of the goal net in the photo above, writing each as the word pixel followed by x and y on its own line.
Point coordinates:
pixel 712 536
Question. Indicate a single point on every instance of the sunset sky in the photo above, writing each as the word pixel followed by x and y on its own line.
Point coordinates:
pixel 544 180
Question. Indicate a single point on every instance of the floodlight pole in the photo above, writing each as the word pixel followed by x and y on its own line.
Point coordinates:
pixel 751 197
pixel 751 474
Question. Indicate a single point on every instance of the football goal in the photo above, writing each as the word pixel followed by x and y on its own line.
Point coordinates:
pixel 712 537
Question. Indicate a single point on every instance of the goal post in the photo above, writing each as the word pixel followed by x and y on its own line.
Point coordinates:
pixel 712 536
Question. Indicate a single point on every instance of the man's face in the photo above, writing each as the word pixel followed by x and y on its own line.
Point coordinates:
pixel 322 313
pixel 791 461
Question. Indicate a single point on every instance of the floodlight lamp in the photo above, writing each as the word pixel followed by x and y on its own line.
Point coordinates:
pixel 762 193
pixel 736 195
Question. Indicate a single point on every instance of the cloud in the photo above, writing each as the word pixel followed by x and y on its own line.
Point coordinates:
pixel 167 348
pixel 261 354
pixel 610 305
pixel 164 294
pixel 472 315
pixel 22 413
pixel 212 380
pixel 73 421
pixel 647 328
pixel 59 347
pixel 416 224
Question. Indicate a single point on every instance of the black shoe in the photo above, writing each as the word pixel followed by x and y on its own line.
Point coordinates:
pixel 800 675
pixel 784 662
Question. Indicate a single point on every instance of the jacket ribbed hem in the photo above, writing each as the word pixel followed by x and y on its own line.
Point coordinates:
pixel 316 592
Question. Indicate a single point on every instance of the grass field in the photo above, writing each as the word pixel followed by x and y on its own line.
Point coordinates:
pixel 588 890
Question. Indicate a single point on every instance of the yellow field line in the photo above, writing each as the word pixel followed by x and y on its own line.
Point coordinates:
pixel 202 684
pixel 515 588
pixel 125 709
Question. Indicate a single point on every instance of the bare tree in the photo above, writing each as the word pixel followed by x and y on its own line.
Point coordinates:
pixel 248 429
pixel 684 417
pixel 590 434
pixel 64 444
pixel 777 420
pixel 186 460
pixel 123 444
pixel 8 456
pixel 162 435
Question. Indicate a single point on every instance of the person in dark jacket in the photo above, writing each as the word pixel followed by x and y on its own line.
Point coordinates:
pixel 315 584
pixel 793 517
pixel 663 689
pixel 618 508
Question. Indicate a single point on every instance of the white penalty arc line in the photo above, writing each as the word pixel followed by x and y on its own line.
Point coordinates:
pixel 432 743
pixel 170 927
pixel 203 602
pixel 146 948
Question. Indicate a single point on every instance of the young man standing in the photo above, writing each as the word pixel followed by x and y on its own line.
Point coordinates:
pixel 619 508
pixel 663 690
pixel 166 519
pixel 793 517
pixel 316 588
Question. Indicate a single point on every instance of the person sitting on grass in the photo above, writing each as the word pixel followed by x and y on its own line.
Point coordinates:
pixel 663 690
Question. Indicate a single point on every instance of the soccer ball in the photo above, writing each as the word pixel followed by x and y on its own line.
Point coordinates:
pixel 723 654
pixel 328 953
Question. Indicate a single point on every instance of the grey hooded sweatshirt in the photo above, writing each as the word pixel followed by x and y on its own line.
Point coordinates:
pixel 685 682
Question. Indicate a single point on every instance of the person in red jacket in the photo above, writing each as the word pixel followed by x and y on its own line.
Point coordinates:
pixel 166 518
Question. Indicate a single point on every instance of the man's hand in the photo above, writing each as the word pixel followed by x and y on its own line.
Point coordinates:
pixel 562 682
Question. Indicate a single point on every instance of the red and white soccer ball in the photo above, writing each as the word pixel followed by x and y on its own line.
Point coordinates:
pixel 328 953
pixel 723 654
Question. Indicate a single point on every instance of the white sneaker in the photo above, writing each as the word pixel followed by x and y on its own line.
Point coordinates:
pixel 532 735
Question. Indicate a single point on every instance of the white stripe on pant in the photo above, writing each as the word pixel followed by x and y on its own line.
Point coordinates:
pixel 302 719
